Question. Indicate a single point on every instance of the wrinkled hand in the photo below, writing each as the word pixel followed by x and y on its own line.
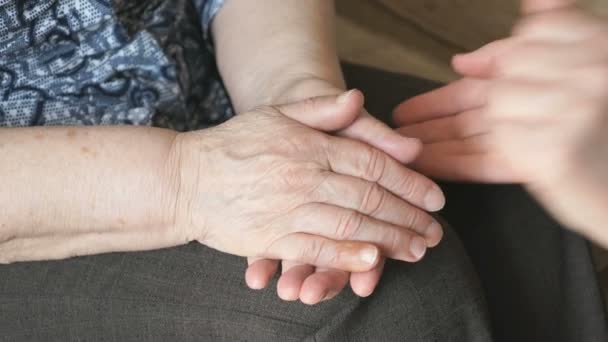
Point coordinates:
pixel 531 109
pixel 270 187
pixel 310 284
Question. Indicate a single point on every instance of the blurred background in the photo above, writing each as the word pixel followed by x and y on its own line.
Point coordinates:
pixel 419 37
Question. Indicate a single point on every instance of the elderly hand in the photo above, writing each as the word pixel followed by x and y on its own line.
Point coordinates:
pixel 265 186
pixel 532 109
pixel 308 283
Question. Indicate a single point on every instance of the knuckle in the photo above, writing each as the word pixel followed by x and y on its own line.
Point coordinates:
pixel 309 105
pixel 319 188
pixel 268 110
pixel 375 165
pixel 373 199
pixel 349 225
pixel 323 145
pixel 291 178
pixel 411 186
pixel 312 251
pixel 415 218
pixel 395 245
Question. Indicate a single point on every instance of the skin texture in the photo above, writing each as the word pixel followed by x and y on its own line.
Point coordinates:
pixel 358 184
pixel 304 192
pixel 75 191
pixel 530 109
pixel 306 196
pixel 307 66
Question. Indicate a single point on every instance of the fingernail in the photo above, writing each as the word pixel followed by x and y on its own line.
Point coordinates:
pixel 329 296
pixel 434 234
pixel 257 284
pixel 344 97
pixel 418 247
pixel 434 200
pixel 369 255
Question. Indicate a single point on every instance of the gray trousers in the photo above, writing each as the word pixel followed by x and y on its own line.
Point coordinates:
pixel 537 280
pixel 194 293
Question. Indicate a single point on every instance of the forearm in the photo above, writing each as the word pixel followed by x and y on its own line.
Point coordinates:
pixel 74 191
pixel 271 51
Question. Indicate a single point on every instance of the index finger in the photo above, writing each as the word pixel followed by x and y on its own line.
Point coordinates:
pixel 356 159
pixel 456 97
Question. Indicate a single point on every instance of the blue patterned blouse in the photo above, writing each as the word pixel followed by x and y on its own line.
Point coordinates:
pixel 109 62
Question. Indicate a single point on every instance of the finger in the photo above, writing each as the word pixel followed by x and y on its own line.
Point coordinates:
pixel 291 280
pixel 338 286
pixel 438 161
pixel 531 102
pixel 348 225
pixel 259 273
pixel 352 256
pixel 560 26
pixel 352 158
pixel 345 113
pixel 539 6
pixel 456 97
pixel 482 62
pixel 376 202
pixel 462 125
pixel 328 113
pixel 545 61
pixel 372 131
pixel 364 283
pixel 323 285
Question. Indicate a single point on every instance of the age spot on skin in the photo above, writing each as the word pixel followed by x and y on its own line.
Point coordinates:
pixel 88 152
pixel 71 133
pixel 39 136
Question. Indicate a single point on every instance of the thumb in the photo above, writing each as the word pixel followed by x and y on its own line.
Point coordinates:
pixel 326 113
pixel 539 6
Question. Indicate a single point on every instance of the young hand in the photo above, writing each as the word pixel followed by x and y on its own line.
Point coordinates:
pixel 531 109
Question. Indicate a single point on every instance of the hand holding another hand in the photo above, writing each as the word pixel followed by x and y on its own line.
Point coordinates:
pixel 308 283
pixel 266 186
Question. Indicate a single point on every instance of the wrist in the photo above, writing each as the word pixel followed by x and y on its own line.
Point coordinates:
pixel 289 89
pixel 182 177
pixel 309 86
